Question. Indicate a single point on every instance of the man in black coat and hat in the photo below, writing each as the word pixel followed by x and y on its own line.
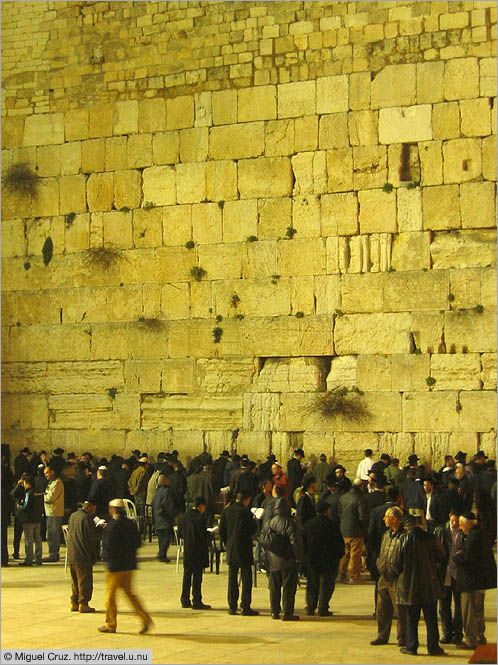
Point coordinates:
pixel 164 512
pixel 195 554
pixel 21 463
pixel 83 540
pixel 295 473
pixel 219 469
pixel 237 527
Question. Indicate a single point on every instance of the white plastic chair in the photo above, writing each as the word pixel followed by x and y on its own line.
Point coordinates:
pixel 65 531
pixel 131 511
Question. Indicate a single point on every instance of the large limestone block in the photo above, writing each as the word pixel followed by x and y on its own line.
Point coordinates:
pixel 11 411
pixel 333 132
pixel 302 295
pixel 478 411
pixel 469 331
pixel 175 302
pixel 82 377
pixel 180 112
pixel 173 264
pixel 221 180
pixel 139 151
pixel 465 287
pixel 475 117
pixel 382 412
pixel 70 158
pixel 159 185
pixel 151 115
pixel 463 249
pixel 332 93
pixel 370 167
pixel 176 224
pixel 441 207
pixel 93 155
pixel 240 220
pixel 48 159
pixel 409 209
pixel 237 141
pixel 429 411
pixel 101 303
pixel 194 144
pixel 462 160
pixel 100 191
pixel 224 376
pixel 340 170
pixel 13 239
pixel 302 168
pixel 50 200
pixel 190 182
pixel 407 124
pixel 166 147
pixel 488 287
pixel 372 333
pixel 126 411
pixel 115 153
pixel 24 377
pixel 339 214
pixel 427 331
pixel 489 158
pixel 362 293
pixel 127 341
pixel 478 205
pixel 12 131
pixel 201 306
pixel 118 230
pixel 487 67
pixel 259 178
pixel 258 103
pixel 363 127
pixel 258 297
pixel 34 412
pixel 395 85
pixel 274 217
pixel 49 343
pixel 290 375
pixel 224 104
pixel 178 376
pixel 203 109
pixel 327 294
pixel 377 211
pixel 206 223
pixel 147 227
pixel 302 257
pixel 180 412
pixel 488 373
pixel 431 163
pixel 461 78
pixel 299 412
pixel 128 188
pixel 315 443
pixel 430 82
pixel 456 371
pixel 72 411
pixel 409 371
pixel 72 194
pixel 279 138
pixel 260 259
pixel 296 99
pixel 415 290
pixel 306 133
pixel 446 121
pixel 221 261
pixel 44 129
pixel 343 372
pixel 306 216
pixel 262 411
pixel 410 251
pixel 125 117
pixel 101 120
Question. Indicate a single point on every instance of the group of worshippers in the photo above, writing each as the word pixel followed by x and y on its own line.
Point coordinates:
pixel 412 528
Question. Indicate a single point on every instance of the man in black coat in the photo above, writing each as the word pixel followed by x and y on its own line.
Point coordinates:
pixel 305 510
pixel 477 568
pixel 101 492
pixel 237 527
pixel 195 554
pixel 164 512
pixel 265 472
pixel 323 548
pixel 219 469
pixel 485 505
pixel 120 543
pixel 331 496
pixel 21 463
pixel 248 481
pixel 83 540
pixel 295 473
pixel 452 539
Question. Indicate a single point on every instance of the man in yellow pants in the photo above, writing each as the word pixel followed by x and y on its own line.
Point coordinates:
pixel 119 545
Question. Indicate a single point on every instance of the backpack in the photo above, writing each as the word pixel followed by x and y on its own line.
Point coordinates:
pixel 274 542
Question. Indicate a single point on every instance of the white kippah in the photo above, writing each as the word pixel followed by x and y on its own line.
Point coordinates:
pixel 116 503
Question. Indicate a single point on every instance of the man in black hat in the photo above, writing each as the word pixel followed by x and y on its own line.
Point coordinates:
pixel 57 461
pixel 413 461
pixel 331 496
pixel 21 463
pixel 265 472
pixel 461 457
pixel 295 473
pixel 219 469
pixel 478 464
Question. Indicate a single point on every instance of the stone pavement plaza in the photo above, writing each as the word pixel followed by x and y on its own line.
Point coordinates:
pixel 35 614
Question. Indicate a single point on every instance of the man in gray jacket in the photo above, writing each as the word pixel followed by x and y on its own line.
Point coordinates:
pixel 353 520
pixel 82 547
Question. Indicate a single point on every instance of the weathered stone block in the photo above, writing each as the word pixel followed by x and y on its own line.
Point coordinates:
pixel 260 259
pixel 441 207
pixel 82 377
pixel 349 447
pixel 203 109
pixel 151 115
pixel 374 373
pixel 446 121
pixel 181 412
pixel 339 214
pixel 306 216
pixel 139 153
pixel 377 211
pixel 359 91
pixel 206 223
pixel 409 209
pixel 220 376
pixel 332 94
pixel 125 117
pixel 410 251
pixel 478 204
pixel 478 411
pixel 224 107
pixel 166 147
pixel 159 185
pixel 221 261
pixel 48 159
pixel 456 371
pixel 461 78
pixel 43 129
pixel 471 332
pixel 32 343
pixel 201 306
pixel 343 372
pixel 118 230
pixel 340 170
pixel 370 167
pixel 72 194
pixel 11 411
pixel 361 293
pixel 34 412
pixel 265 177
pixel 100 191
pixel 487 71
pixel 76 411
pixel 190 182
pixel 77 236
pixel 333 131
pixel 125 341
pixel 175 301
pixel 173 264
pixel 194 144
pixel 147 227
pixel 259 103
pixel 363 127
pixel 221 180
pixel 409 372
pixel 296 99
pixel 429 411
pixel 475 117
pixel 12 131
pixel 405 124
pixel 488 287
pixel 488 373
pixel 395 85
pixel 70 158
pixel 464 249
pixel 306 133
pixel 261 411
pixel 431 163
pixel 274 217
pixel 279 138
pixel 115 153
pixel 180 112
pixel 430 82
pixel 237 141
pixel 100 120
pixel 489 158
pixel 372 333
pixel 301 257
pixel 327 294
pixel 128 188
pixel 240 220
pixel 93 155
pixel 178 376
pixel 12 237
pixel 302 168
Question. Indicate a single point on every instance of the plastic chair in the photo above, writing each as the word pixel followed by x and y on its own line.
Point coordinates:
pixel 65 531
pixel 131 511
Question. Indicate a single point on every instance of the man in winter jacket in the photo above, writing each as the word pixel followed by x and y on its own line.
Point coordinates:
pixel 324 548
pixel 164 512
pixel 195 554
pixel 353 519
pixel 30 515
pixel 284 569
pixel 54 510
pixel 83 540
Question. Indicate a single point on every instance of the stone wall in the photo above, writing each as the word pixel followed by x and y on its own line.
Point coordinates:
pixel 250 203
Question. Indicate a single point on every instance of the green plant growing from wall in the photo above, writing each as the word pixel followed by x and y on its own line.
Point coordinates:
pixel 342 401
pixel 21 178
pixel 69 219
pixel 290 233
pixel 151 323
pixel 239 317
pixel 252 238
pixel 112 392
pixel 148 205
pixel 197 273
pixel 274 279
pixel 190 244
pixel 221 205
pixel 126 209
pixel 299 315
pixel 387 188
pixel 412 185
pixel 47 250
pixel 451 297
pixel 217 333
pixel 219 318
pixel 338 312
pixel 234 300
pixel 27 265
pixel 430 381
pixel 478 309
pixel 103 257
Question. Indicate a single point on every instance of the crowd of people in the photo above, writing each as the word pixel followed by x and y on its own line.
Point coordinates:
pixel 424 536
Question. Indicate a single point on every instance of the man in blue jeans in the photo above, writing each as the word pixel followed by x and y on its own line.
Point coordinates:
pixel 30 514
pixel 54 510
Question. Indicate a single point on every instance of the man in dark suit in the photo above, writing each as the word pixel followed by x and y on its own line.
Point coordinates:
pixel 237 527
pixel 295 473
pixel 305 510
pixel 195 554
pixel 323 548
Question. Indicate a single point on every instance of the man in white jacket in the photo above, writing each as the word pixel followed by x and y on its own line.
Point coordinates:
pixel 54 510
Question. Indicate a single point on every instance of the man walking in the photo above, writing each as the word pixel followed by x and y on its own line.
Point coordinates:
pixel 54 510
pixel 195 554
pixel 237 527
pixel 82 548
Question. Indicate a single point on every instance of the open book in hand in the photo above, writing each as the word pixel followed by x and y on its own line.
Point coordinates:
pixel 99 521
pixel 258 512
pixel 212 529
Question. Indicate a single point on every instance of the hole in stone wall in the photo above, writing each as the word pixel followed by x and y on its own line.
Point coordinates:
pixel 492 102
pixel 465 165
